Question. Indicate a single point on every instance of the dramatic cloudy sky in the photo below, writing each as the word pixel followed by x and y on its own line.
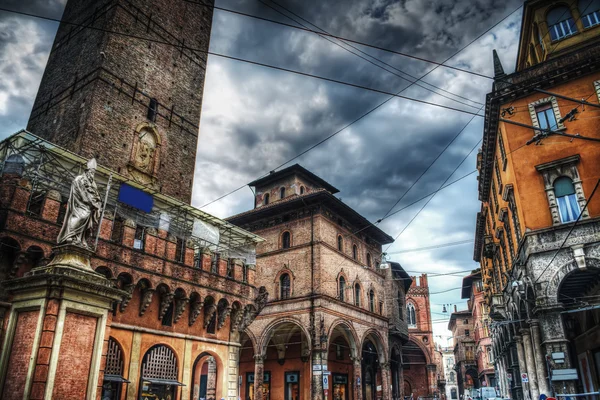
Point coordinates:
pixel 254 118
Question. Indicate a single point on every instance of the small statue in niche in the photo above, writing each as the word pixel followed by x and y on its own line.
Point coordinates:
pixel 144 156
pixel 83 209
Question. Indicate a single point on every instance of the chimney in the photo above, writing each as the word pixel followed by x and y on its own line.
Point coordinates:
pixel 455 310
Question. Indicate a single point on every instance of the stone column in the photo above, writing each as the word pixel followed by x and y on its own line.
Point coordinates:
pixel 531 367
pixel 259 371
pixel 357 389
pixel 386 381
pixel 317 376
pixel 555 341
pixel 431 378
pixel 522 364
pixel 500 373
pixel 540 360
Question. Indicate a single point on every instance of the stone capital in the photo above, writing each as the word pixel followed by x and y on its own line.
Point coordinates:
pixel 260 358
pixel 518 339
pixel 525 332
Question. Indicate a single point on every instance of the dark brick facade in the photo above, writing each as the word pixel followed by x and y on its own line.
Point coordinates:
pixel 96 90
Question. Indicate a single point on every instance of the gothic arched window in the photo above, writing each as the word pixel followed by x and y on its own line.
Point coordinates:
pixel 282 193
pixel 340 243
pixel 369 263
pixel 411 315
pixel 357 295
pixel 266 199
pixel 286 240
pixel 284 283
pixel 342 288
pixel 372 301
pixel 355 252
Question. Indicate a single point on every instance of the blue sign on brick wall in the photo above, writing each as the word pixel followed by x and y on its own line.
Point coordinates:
pixel 136 198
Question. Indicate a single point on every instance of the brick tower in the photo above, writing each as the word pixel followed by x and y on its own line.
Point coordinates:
pixel 124 84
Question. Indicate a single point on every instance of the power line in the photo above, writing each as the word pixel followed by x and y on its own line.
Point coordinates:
pixel 570 231
pixel 373 109
pixel 305 74
pixel 439 246
pixel 439 64
pixel 368 55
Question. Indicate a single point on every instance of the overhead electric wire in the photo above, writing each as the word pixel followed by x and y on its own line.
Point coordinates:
pixel 373 109
pixel 570 231
pixel 369 55
pixel 439 64
pixel 433 247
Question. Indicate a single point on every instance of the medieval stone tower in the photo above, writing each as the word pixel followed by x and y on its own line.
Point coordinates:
pixel 124 84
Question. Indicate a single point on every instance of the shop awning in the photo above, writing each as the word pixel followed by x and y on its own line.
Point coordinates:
pixel 159 381
pixel 115 378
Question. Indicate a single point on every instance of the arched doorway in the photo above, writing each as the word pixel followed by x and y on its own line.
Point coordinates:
pixel 415 370
pixel 204 378
pixel 579 293
pixel 160 374
pixel 371 373
pixel 471 381
pixel 112 385
pixel 342 348
pixel 282 362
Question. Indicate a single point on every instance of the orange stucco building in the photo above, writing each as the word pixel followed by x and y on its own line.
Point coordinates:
pixel 535 234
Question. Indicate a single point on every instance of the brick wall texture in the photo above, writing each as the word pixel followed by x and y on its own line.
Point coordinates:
pixel 18 363
pixel 97 86
pixel 74 361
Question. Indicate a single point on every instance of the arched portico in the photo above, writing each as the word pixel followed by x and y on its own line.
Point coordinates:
pixel 342 355
pixel 275 364
pixel 375 369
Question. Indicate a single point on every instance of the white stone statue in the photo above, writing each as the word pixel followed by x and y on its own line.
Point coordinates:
pixel 83 209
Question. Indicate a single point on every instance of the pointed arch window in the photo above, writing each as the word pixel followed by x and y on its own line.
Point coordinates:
pixel 371 301
pixel 355 252
pixel 286 240
pixel 568 207
pixel 357 295
pixel 302 189
pixel 369 262
pixel 284 283
pixel 411 315
pixel 282 193
pixel 266 199
pixel 342 288
pixel 340 243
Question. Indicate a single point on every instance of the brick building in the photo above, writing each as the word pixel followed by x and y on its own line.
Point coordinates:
pixel 333 308
pixel 536 232
pixel 420 370
pixel 472 290
pixel 467 377
pixel 157 309
pixel 449 373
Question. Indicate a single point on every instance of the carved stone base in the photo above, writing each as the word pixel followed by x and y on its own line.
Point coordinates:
pixel 72 256
pixel 70 269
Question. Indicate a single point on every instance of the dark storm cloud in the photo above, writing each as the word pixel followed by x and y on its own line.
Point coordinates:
pixel 255 118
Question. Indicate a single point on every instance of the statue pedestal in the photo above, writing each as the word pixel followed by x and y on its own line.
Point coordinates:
pixel 56 329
